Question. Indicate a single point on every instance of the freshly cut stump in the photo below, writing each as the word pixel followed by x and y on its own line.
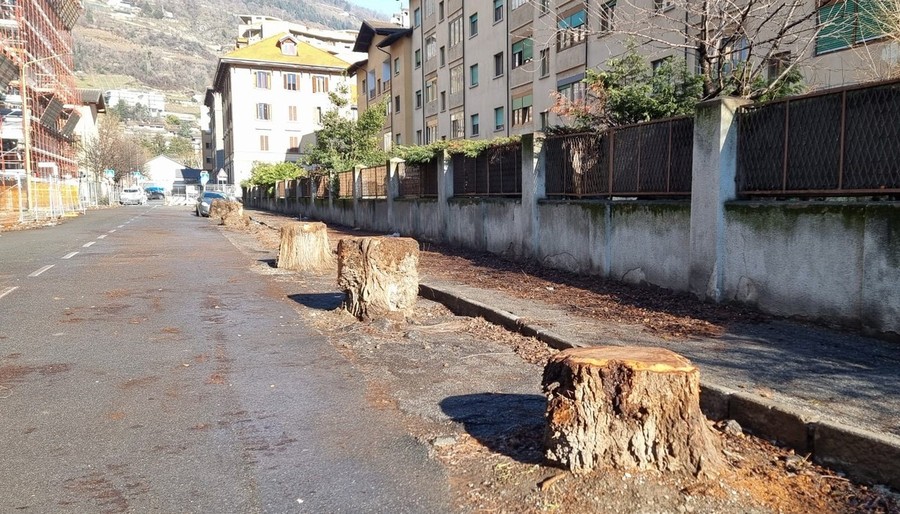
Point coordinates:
pixel 380 275
pixel 627 408
pixel 304 247
pixel 228 213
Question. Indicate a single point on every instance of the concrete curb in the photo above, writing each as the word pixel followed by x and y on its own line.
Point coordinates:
pixel 861 454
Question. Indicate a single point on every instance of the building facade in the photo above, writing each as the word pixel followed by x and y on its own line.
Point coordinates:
pixel 273 95
pixel 492 68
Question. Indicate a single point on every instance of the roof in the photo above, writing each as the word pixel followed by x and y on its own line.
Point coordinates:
pixel 93 96
pixel 370 29
pixel 388 41
pixel 356 67
pixel 268 50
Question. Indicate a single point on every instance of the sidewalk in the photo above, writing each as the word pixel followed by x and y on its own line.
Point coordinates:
pixel 834 395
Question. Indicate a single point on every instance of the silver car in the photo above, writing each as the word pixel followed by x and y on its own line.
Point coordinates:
pixel 206 199
pixel 133 195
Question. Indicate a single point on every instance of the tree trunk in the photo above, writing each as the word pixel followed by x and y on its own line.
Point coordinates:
pixel 304 247
pixel 628 408
pixel 380 275
pixel 230 214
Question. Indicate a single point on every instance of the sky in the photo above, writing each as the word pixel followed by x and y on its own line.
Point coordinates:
pixel 386 7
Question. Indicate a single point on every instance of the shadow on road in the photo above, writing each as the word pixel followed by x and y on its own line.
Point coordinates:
pixel 321 301
pixel 510 424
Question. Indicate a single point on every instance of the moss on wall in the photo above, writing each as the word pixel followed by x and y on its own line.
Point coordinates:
pixel 783 217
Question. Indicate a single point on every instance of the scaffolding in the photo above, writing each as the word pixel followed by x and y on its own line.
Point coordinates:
pixel 37 82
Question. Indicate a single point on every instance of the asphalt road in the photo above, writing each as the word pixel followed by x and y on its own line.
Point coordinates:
pixel 144 367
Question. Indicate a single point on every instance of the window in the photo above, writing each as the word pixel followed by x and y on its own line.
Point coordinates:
pixel 499 119
pixel 776 65
pixel 544 7
pixel 418 137
pixel 293 144
pixel 572 30
pixel 430 47
pixel 456 79
pixel 429 7
pixel 418 58
pixel 440 11
pixel 417 17
pixel 386 72
pixel 318 115
pixel 396 66
pixel 397 139
pixel 397 103
pixel 498 64
pixel 515 4
pixel 442 56
pixel 545 120
pixel 264 143
pixel 263 80
pixel 371 83
pixel 473 123
pixel 290 81
pixel 289 47
pixel 443 101
pixel 845 23
pixel 456 31
pixel 607 13
pixel 473 75
pixel 521 110
pixel 457 126
pixel 431 132
pixel 473 25
pixel 319 84
pixel 522 52
pixel 430 90
pixel 498 11
pixel 662 5
pixel 545 62
pixel 262 112
pixel 573 92
pixel 292 113
pixel 655 65
pixel 419 99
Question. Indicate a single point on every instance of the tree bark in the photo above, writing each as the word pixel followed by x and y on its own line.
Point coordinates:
pixel 304 247
pixel 380 275
pixel 627 408
pixel 230 214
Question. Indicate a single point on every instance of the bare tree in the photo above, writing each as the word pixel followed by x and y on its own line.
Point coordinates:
pixel 112 149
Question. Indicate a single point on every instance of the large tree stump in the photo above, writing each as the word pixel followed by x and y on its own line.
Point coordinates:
pixel 380 275
pixel 228 213
pixel 627 408
pixel 304 247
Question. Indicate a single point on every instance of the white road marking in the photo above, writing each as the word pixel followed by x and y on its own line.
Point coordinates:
pixel 88 245
pixel 38 272
pixel 120 226
pixel 102 237
pixel 7 291
pixel 70 255
pixel 111 231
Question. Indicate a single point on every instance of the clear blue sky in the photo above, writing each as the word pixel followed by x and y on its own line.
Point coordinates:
pixel 386 7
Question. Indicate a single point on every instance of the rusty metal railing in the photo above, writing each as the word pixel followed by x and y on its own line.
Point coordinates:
pixel 374 182
pixel 344 183
pixel 418 180
pixel 495 172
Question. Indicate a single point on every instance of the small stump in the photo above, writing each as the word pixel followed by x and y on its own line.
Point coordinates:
pixel 380 275
pixel 627 408
pixel 228 213
pixel 304 247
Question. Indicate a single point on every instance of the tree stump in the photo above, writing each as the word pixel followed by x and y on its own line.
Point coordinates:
pixel 627 408
pixel 228 213
pixel 380 275
pixel 304 247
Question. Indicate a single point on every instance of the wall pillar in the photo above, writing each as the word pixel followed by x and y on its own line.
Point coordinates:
pixel 392 188
pixel 713 184
pixel 357 191
pixel 445 191
pixel 533 190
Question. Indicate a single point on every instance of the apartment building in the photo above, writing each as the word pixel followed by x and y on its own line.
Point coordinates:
pixel 386 76
pixel 267 101
pixel 153 101
pixel 490 68
pixel 253 28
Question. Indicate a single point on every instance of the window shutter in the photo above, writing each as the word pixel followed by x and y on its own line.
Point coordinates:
pixel 871 20
pixel 836 22
pixel 314 88
pixel 326 83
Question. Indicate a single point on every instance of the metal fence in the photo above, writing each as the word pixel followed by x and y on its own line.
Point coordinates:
pixel 374 182
pixel 835 143
pixel 418 180
pixel 495 172
pixel 344 181
pixel 648 159
pixel 320 182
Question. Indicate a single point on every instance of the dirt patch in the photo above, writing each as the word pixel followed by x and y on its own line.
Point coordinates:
pixel 10 374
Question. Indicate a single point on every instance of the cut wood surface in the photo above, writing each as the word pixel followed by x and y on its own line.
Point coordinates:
pixel 228 213
pixel 627 408
pixel 380 275
pixel 304 247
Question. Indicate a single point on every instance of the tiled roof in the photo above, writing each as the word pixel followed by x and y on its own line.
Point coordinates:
pixel 268 50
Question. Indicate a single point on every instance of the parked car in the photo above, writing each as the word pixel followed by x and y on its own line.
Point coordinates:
pixel 155 193
pixel 133 195
pixel 206 199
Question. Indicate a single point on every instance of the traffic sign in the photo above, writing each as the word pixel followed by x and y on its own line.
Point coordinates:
pixel 221 176
pixel 204 177
pixel 109 173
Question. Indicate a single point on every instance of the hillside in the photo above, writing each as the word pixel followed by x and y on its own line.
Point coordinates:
pixel 173 45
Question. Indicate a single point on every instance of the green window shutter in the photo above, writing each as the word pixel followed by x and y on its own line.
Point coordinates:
pixel 871 20
pixel 527 101
pixel 837 26
pixel 528 49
